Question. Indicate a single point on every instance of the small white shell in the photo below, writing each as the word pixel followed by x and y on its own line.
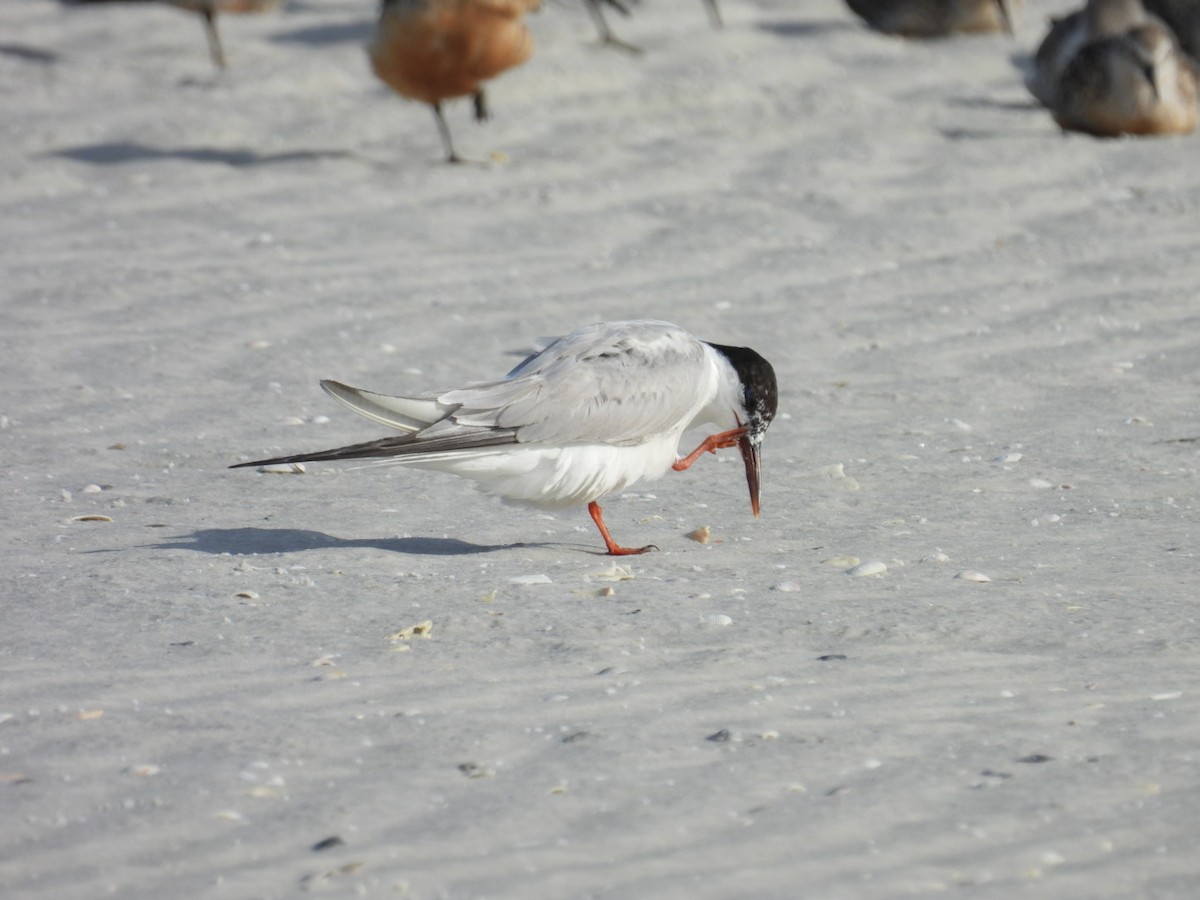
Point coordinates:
pixel 716 619
pixel 972 575
pixel 871 567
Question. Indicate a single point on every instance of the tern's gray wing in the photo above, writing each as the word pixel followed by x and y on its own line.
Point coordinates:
pixel 615 383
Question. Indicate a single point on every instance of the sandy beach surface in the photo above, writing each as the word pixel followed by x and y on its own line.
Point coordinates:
pixel 987 336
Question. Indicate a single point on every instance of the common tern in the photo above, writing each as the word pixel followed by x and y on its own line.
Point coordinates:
pixel 596 411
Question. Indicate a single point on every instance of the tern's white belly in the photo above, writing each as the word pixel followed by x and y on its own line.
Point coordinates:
pixel 560 476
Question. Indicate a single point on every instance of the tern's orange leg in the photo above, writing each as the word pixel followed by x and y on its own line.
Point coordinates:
pixel 710 444
pixel 614 549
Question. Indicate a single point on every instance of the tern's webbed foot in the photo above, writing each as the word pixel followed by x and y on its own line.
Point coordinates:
pixel 614 550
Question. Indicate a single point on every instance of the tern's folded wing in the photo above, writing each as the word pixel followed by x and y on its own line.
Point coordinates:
pixel 622 390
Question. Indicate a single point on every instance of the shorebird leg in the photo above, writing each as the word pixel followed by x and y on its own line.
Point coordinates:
pixel 444 131
pixel 482 113
pixel 714 14
pixel 606 35
pixel 208 15
pixel 710 444
pixel 614 549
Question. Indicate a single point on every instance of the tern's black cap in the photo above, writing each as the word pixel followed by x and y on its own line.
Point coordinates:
pixel 757 376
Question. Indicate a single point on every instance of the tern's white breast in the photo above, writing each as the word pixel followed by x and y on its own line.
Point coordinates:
pixel 550 476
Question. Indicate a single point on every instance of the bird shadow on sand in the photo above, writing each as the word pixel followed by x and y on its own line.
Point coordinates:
pixel 248 541
pixel 806 28
pixel 118 152
pixel 357 33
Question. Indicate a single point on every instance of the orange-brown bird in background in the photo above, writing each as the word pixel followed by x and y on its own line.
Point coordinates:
pixel 208 10
pixel 437 50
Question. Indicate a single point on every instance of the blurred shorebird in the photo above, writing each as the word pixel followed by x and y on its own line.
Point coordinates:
pixel 597 411
pixel 1183 17
pixel 437 50
pixel 1139 82
pixel 935 18
pixel 1096 20
pixel 208 11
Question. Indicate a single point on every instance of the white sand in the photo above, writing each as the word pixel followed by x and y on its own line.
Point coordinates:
pixel 991 328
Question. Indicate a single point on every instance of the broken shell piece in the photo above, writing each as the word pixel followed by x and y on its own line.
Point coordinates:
pixel 92 517
pixel 842 562
pixel 531 579
pixel 871 567
pixel 283 469
pixel 972 575
pixel 246 595
pixel 613 573
pixel 87 715
pixel 421 629
pixel 475 770
pixel 701 535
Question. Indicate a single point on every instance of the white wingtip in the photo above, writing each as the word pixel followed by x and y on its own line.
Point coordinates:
pixel 404 413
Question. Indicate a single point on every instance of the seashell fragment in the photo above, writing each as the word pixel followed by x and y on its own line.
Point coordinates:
pixel 787 587
pixel 972 575
pixel 871 567
pixel 475 770
pixel 421 629
pixel 716 619
pixel 283 469
pixel 92 517
pixel 700 535
pixel 842 562
pixel 246 595
pixel 613 573
pixel 531 579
